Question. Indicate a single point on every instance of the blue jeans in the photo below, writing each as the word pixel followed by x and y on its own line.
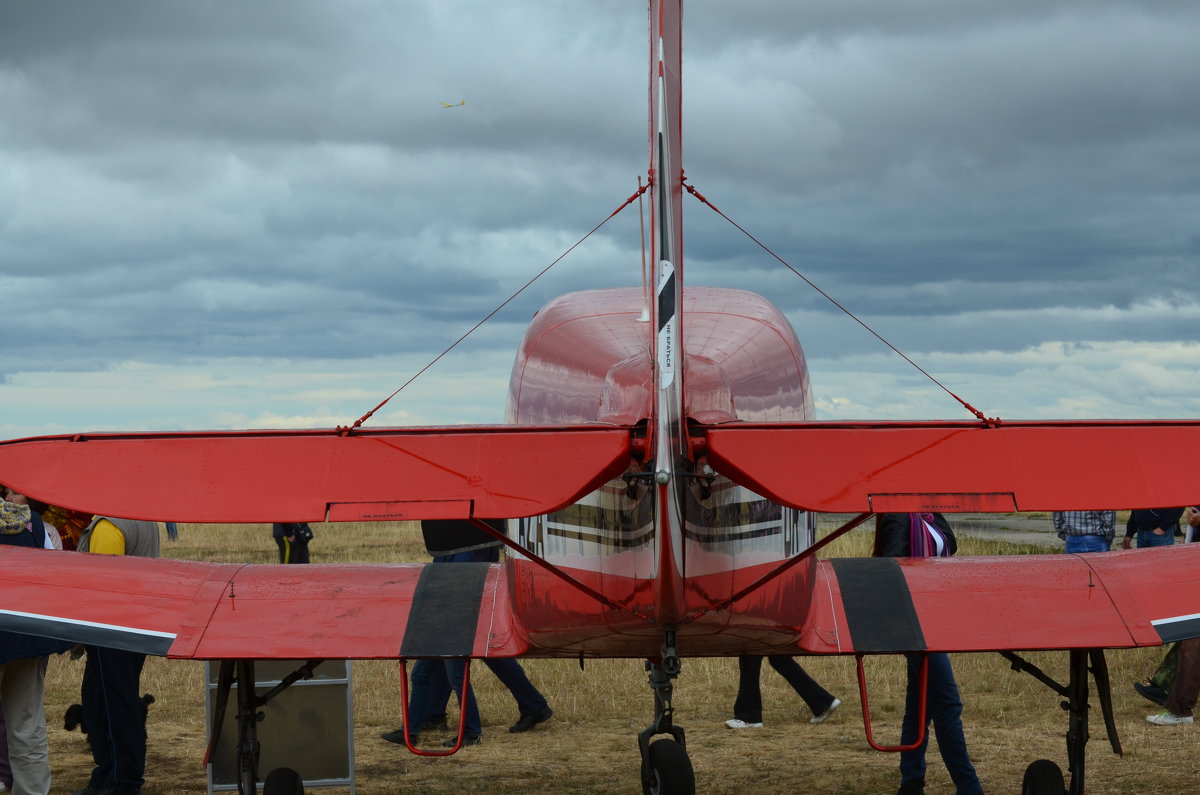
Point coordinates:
pixel 529 699
pixel 1147 538
pixel 435 688
pixel 1087 543
pixel 944 709
pixel 432 681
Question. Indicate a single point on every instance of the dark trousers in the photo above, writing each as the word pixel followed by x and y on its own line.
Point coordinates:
pixel 512 675
pixel 436 687
pixel 1164 676
pixel 943 708
pixel 292 551
pixel 748 706
pixel 1186 688
pixel 112 710
pixel 432 682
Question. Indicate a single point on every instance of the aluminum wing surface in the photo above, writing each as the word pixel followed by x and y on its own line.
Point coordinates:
pixel 318 475
pixel 1121 599
pixel 193 610
pixel 946 466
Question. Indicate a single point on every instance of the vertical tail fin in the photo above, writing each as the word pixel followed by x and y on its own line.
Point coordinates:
pixel 670 435
pixel 667 227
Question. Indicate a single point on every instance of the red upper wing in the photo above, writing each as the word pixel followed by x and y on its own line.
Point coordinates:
pixel 960 467
pixel 308 476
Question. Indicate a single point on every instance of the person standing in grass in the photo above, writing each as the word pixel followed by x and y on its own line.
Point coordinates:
pixel 456 541
pixel 110 694
pixel 902 535
pixel 1184 690
pixel 1158 687
pixel 747 707
pixel 1154 527
pixel 1085 531
pixel 23 670
pixel 53 540
pixel 292 539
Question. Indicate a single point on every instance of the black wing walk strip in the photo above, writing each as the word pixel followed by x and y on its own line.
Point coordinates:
pixel 879 607
pixel 445 610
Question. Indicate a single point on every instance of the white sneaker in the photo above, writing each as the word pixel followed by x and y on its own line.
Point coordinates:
pixel 1167 718
pixel 736 723
pixel 837 702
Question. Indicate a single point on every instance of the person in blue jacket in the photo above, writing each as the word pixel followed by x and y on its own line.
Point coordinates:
pixel 1154 527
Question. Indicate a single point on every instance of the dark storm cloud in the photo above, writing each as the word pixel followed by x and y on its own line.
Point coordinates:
pixel 1035 142
pixel 203 181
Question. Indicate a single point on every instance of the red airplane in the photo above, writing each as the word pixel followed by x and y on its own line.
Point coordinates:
pixel 659 476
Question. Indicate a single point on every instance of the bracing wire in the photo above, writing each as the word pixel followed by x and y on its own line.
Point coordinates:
pixel 978 414
pixel 357 423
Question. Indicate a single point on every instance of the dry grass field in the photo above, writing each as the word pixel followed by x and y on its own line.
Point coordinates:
pixel 589 746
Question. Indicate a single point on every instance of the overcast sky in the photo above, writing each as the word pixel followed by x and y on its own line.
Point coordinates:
pixel 223 215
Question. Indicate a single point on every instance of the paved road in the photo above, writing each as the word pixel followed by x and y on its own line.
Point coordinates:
pixel 1016 528
pixel 1011 527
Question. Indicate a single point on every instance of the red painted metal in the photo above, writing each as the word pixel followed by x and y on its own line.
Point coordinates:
pixel 922 707
pixel 584 359
pixel 1030 602
pixel 462 712
pixel 231 611
pixel 958 467
pixel 300 476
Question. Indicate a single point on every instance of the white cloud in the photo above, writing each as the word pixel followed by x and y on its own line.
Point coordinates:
pixel 1053 380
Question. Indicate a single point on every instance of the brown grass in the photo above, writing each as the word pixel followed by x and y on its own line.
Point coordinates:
pixel 590 745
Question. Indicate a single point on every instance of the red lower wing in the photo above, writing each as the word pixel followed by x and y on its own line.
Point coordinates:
pixel 862 605
pixel 1027 602
pixel 197 610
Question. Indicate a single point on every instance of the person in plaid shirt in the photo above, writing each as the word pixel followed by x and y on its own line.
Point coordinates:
pixel 1085 531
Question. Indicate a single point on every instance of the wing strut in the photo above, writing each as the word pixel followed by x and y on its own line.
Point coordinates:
pixel 557 572
pixel 786 565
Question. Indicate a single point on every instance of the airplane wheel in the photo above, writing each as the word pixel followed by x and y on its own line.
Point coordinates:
pixel 283 781
pixel 1043 777
pixel 670 770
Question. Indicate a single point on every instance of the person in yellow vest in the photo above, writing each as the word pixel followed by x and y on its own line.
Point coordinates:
pixel 111 690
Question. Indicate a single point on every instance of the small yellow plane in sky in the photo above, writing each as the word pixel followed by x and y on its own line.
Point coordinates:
pixel 455 105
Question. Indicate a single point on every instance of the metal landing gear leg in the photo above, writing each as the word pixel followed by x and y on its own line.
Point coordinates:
pixel 1044 777
pixel 248 716
pixel 281 781
pixel 666 768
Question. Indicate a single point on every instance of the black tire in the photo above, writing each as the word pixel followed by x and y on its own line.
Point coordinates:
pixel 670 770
pixel 1043 777
pixel 283 781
